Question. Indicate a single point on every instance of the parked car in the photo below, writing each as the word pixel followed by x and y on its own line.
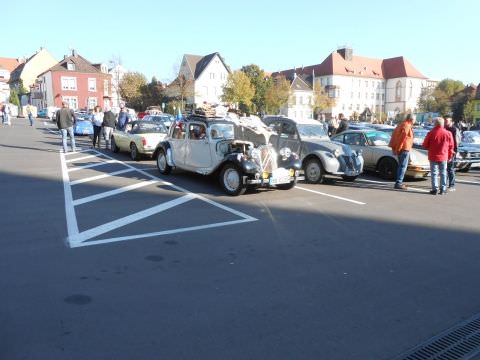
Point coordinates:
pixel 82 126
pixel 319 155
pixel 139 138
pixel 468 151
pixel 165 119
pixel 214 145
pixel 378 155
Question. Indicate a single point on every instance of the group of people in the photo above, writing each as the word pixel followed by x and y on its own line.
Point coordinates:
pixel 441 143
pixel 103 124
pixel 336 125
pixel 5 113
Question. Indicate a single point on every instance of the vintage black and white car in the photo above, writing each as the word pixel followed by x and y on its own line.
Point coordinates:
pixel 319 155
pixel 241 156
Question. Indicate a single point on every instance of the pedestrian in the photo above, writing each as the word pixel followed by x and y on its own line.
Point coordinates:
pixel 123 117
pixel 333 126
pixel 65 119
pixel 439 143
pixel 29 110
pixel 109 122
pixel 457 137
pixel 343 125
pixel 6 114
pixel 97 121
pixel 401 143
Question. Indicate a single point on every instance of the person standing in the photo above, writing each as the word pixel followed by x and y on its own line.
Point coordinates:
pixel 439 143
pixel 65 119
pixel 401 143
pixel 29 110
pixel 123 117
pixel 343 126
pixel 109 122
pixel 450 126
pixel 97 120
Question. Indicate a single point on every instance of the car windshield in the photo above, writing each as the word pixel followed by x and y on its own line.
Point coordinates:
pixel 145 127
pixel 221 131
pixel 419 136
pixel 377 138
pixel 471 137
pixel 311 130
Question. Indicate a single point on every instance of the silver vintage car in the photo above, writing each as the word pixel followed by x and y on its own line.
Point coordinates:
pixel 319 155
pixel 241 156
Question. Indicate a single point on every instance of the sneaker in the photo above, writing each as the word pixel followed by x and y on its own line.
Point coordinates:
pixel 443 192
pixel 433 192
pixel 400 187
pixel 451 188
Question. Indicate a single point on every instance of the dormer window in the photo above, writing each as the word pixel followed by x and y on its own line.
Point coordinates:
pixel 70 66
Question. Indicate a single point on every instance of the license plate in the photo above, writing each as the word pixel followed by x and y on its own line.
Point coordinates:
pixel 279 180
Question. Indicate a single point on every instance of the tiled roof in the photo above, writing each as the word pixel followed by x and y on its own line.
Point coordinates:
pixel 82 65
pixel 299 84
pixel 198 63
pixel 359 66
pixel 9 63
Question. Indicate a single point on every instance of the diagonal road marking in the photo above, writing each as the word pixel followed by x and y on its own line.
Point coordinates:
pixel 113 192
pixel 112 225
pixel 98 177
pixel 82 158
pixel 332 196
pixel 93 165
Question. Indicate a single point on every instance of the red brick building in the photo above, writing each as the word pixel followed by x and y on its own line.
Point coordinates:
pixel 77 81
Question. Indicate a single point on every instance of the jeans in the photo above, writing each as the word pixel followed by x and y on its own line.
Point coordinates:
pixel 97 131
pixel 68 131
pixel 402 166
pixel 435 167
pixel 107 131
pixel 451 173
pixel 30 117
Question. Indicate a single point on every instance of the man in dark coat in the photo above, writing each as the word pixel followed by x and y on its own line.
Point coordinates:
pixel 450 126
pixel 65 119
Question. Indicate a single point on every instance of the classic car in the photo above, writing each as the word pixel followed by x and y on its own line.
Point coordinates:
pixel 468 151
pixel 139 138
pixel 319 155
pixel 166 119
pixel 378 155
pixel 215 145
pixel 82 127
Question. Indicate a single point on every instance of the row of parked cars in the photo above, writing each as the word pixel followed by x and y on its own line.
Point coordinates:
pixel 276 151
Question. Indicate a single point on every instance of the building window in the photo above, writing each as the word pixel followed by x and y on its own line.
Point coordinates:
pixel 106 90
pixel 70 66
pixel 358 106
pixel 69 83
pixel 92 102
pixel 212 76
pixel 411 90
pixel 366 83
pixel 372 96
pixel 398 91
pixel 359 95
pixel 92 84
pixel 359 83
pixel 378 96
pixel 351 94
pixel 383 97
pixel 72 101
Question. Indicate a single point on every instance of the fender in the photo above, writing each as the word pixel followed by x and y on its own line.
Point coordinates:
pixel 247 166
pixel 329 161
pixel 165 146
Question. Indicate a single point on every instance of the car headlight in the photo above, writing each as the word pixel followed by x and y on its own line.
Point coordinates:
pixel 285 153
pixel 255 154
pixel 337 152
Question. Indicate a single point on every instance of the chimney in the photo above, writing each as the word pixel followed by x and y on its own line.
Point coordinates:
pixel 346 52
pixel 74 52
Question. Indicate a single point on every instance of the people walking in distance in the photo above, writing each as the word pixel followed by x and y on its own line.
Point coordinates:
pixel 123 117
pixel 333 126
pixel 343 125
pixel 6 114
pixel 109 122
pixel 457 137
pixel 97 120
pixel 439 143
pixel 65 119
pixel 29 110
pixel 401 143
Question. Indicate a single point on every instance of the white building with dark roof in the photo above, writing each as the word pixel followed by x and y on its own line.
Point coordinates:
pixel 300 100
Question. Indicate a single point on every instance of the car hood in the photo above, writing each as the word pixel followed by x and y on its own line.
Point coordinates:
pixel 417 157
pixel 468 147
pixel 326 145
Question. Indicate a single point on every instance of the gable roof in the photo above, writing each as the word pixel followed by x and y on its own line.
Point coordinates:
pixel 299 84
pixel 359 66
pixel 198 64
pixel 9 63
pixel 82 65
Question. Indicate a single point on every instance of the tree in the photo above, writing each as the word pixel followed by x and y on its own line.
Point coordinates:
pixel 321 100
pixel 13 99
pixel 131 87
pixel 426 101
pixel 238 90
pixel 153 93
pixel 277 94
pixel 181 88
pixel 259 82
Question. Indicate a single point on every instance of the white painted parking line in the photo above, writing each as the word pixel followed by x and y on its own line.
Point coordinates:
pixel 83 158
pixel 112 225
pixel 98 177
pixel 332 196
pixel 467 182
pixel 391 183
pixel 76 238
pixel 113 192
pixel 93 165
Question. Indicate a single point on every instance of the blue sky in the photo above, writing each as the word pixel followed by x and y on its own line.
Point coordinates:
pixel 438 37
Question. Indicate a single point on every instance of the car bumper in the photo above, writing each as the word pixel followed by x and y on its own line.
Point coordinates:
pixel 417 171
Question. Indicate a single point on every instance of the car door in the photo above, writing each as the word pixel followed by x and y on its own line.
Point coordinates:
pixel 178 141
pixel 357 141
pixel 289 137
pixel 197 150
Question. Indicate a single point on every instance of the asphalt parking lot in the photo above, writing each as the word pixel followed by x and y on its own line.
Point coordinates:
pixel 103 255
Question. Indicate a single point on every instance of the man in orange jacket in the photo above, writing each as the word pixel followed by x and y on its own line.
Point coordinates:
pixel 401 144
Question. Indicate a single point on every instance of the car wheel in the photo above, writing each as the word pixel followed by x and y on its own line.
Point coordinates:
pixel 231 180
pixel 134 152
pixel 162 163
pixel 387 168
pixel 465 168
pixel 349 178
pixel 314 172
pixel 288 186
pixel 114 146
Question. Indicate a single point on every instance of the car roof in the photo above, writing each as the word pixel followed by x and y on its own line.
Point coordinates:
pixel 302 121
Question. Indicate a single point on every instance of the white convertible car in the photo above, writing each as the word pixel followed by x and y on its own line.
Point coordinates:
pixel 139 138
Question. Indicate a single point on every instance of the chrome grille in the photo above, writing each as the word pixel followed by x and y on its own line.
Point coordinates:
pixel 349 161
pixel 268 158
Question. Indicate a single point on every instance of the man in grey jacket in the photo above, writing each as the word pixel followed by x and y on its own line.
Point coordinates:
pixel 65 119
